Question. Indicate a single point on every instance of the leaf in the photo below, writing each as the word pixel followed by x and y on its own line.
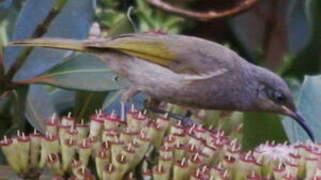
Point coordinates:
pixel 73 21
pixel 298 29
pixel 33 13
pixel 309 104
pixel 111 98
pixel 87 103
pixel 81 72
pixel 261 127
pixel 63 100
pixel 18 108
pixel 309 59
pixel 262 32
pixel 113 104
pixel 123 26
pixel 39 106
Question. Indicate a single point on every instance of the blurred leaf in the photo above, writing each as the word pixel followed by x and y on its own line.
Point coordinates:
pixel 73 21
pixel 62 99
pixel 111 105
pixel 151 19
pixel 87 103
pixel 298 29
pixel 18 108
pixel 5 4
pixel 7 21
pixel 308 61
pixel 309 103
pixel 81 72
pixel 261 127
pixel 39 106
pixel 5 110
pixel 123 26
pixel 33 13
pixel 111 98
pixel 242 25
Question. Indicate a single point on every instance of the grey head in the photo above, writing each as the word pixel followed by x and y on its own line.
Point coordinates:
pixel 273 95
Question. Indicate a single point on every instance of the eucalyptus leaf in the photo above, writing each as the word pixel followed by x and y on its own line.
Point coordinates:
pixel 74 22
pixel 18 109
pixel 298 28
pixel 63 100
pixel 81 72
pixel 308 60
pixel 123 26
pixel 87 103
pixel 309 103
pixel 39 108
pixel 33 13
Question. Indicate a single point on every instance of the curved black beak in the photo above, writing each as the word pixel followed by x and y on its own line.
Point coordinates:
pixel 299 119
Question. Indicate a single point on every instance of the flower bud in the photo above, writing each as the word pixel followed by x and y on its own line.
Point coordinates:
pixel 67 153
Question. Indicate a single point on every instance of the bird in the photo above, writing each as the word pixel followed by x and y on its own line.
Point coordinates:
pixel 186 70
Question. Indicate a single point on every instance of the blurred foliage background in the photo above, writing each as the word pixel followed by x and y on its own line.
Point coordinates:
pixel 281 35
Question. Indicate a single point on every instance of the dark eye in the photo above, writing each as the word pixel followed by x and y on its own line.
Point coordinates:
pixel 278 96
pixel 275 95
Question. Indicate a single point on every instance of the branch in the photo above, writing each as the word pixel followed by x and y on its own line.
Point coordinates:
pixel 204 16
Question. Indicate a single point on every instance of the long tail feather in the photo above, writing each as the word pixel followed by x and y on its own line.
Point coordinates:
pixel 58 43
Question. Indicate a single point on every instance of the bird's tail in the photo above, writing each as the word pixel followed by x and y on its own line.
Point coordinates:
pixel 58 43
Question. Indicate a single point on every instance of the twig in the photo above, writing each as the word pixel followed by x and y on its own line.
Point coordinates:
pixel 204 16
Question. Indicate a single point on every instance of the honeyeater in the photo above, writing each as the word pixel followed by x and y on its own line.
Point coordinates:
pixel 186 70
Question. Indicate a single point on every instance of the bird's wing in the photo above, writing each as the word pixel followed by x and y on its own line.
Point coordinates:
pixel 182 54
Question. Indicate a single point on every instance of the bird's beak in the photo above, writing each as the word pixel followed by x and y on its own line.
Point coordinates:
pixel 299 119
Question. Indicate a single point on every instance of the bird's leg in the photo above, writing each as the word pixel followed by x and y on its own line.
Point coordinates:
pixel 150 104
pixel 153 105
pixel 131 92
pixel 188 114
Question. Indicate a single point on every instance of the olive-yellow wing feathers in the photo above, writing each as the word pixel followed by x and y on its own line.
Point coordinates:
pixel 181 54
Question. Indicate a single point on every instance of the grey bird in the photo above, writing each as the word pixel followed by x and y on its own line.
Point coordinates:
pixel 188 71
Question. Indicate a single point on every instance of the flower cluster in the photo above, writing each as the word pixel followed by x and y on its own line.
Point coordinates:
pixel 152 148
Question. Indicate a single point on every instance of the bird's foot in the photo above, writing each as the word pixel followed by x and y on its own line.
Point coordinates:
pixel 186 120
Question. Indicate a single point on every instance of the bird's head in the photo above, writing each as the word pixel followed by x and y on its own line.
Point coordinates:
pixel 273 95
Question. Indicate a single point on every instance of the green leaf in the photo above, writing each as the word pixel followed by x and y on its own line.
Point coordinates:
pixel 261 127
pixel 18 108
pixel 39 106
pixel 73 21
pixel 111 98
pixel 63 100
pixel 309 103
pixel 32 13
pixel 81 72
pixel 123 26
pixel 87 103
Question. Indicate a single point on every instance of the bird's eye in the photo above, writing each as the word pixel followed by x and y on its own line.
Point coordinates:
pixel 278 96
pixel 275 95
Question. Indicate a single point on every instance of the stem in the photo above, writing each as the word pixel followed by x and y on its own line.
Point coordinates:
pixel 204 16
